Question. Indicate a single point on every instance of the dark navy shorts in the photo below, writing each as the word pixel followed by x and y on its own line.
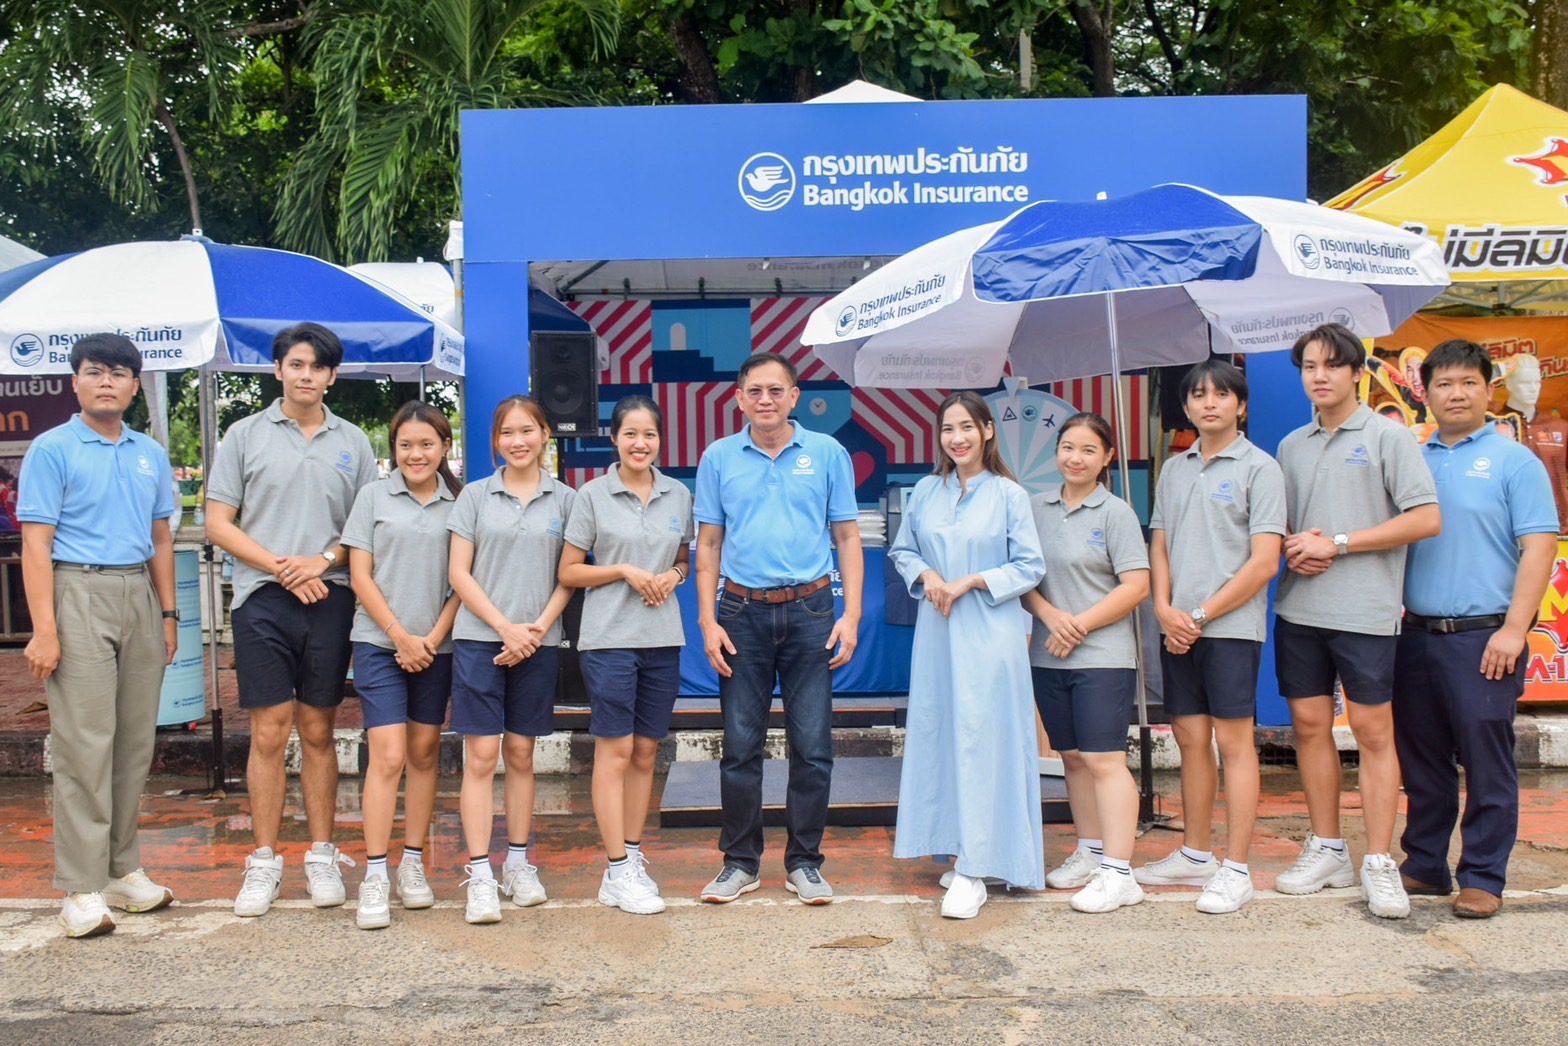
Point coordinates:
pixel 1307 659
pixel 285 650
pixel 1217 677
pixel 1086 709
pixel 488 699
pixel 632 691
pixel 389 696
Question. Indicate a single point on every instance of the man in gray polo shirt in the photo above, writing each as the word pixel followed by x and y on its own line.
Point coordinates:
pixel 280 493
pixel 1217 524
pixel 1356 494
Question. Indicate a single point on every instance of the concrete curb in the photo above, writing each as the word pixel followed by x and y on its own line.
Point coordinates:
pixel 1542 743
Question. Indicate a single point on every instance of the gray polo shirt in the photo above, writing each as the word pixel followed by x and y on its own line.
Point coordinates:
pixel 409 542
pixel 1366 472
pixel 613 524
pixel 1210 511
pixel 517 549
pixel 293 497
pixel 1085 549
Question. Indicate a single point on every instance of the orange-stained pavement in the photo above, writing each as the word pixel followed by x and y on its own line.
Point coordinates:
pixel 197 845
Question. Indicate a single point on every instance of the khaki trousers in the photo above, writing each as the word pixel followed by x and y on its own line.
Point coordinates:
pixel 103 715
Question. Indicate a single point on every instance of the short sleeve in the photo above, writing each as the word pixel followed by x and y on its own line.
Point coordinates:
pixel 41 486
pixel 689 531
pixel 709 507
pixel 163 504
pixel 1266 499
pixel 464 517
pixel 1405 476
pixel 582 525
pixel 1531 508
pixel 360 530
pixel 1157 513
pixel 367 473
pixel 842 506
pixel 1124 539
pixel 227 482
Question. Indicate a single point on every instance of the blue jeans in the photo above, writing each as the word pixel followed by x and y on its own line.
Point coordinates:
pixel 787 642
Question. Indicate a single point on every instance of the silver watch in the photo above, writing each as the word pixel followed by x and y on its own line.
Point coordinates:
pixel 1199 616
pixel 331 557
pixel 1342 544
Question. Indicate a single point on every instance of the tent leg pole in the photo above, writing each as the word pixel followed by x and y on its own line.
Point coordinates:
pixel 209 435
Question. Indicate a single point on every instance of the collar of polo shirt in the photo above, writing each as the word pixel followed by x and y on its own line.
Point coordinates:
pixel 274 413
pixel 1096 497
pixel 398 484
pixel 1358 419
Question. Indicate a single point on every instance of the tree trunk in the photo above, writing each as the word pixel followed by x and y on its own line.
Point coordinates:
pixel 167 121
pixel 1096 25
pixel 698 83
pixel 1551 52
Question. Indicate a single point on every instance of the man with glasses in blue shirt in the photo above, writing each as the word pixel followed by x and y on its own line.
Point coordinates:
pixel 772 501
pixel 98 568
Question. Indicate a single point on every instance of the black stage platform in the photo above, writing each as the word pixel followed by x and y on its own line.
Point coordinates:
pixel 865 792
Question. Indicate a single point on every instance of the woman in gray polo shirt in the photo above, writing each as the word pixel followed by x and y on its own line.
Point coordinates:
pixel 636 522
pixel 507 531
pixel 1084 659
pixel 397 541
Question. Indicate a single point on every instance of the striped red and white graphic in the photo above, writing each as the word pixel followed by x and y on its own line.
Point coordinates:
pixel 776 326
pixel 696 414
pixel 1096 394
pixel 575 478
pixel 627 327
pixel 902 420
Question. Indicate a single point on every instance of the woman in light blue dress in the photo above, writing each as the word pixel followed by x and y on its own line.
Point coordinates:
pixel 968 549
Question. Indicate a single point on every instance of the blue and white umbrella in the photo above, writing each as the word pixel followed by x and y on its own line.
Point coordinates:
pixel 1159 277
pixel 193 303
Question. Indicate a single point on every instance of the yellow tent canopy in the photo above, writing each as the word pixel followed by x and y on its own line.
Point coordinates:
pixel 1492 187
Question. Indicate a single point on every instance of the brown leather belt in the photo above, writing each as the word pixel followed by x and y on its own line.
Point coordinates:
pixel 783 594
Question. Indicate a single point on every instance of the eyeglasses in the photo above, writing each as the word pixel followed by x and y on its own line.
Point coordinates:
pixel 118 375
pixel 774 392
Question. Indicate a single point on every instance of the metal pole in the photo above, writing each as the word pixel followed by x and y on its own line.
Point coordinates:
pixel 208 410
pixel 1145 736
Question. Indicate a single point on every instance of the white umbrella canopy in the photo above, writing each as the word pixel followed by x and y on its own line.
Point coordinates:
pixel 1187 272
pixel 13 254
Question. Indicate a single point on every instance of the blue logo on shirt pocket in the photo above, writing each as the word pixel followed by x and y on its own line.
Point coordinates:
pixel 346 463
pixel 675 524
pixel 1358 456
pixel 1096 538
pixel 554 528
pixel 1225 492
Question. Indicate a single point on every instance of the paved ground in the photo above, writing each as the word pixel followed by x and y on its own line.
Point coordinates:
pixel 879 965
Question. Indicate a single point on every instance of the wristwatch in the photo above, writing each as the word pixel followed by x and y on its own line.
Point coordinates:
pixel 331 557
pixel 1199 616
pixel 1342 544
pixel 171 615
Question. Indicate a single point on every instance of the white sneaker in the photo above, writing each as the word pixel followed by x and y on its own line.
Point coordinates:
pixel 1176 869
pixel 324 877
pixel 85 915
pixel 631 892
pixel 263 877
pixel 965 897
pixel 1106 892
pixel 1317 867
pixel 1381 887
pixel 1076 871
pixel 375 904
pixel 947 879
pixel 637 858
pixel 484 899
pixel 413 889
pixel 520 882
pixel 1226 892
pixel 134 892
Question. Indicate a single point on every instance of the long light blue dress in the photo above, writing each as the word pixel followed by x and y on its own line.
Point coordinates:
pixel 971 778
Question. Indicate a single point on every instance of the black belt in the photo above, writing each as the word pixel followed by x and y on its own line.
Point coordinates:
pixel 782 594
pixel 1456 624
pixel 96 568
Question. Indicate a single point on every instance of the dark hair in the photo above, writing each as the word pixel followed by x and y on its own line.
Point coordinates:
pixel 990 454
pixel 1220 375
pixel 328 349
pixel 416 410
pixel 502 409
pixel 1344 348
pixel 1457 352
pixel 626 404
pixel 1101 428
pixel 758 359
pixel 111 350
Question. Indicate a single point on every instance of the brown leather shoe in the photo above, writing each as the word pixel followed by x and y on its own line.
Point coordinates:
pixel 1417 888
pixel 1475 903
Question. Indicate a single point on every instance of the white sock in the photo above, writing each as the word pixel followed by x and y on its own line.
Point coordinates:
pixel 376 867
pixel 516 854
pixel 412 855
pixel 1197 856
pixel 481 869
pixel 1337 845
pixel 1235 867
pixel 1115 864
pixel 1094 846
pixel 263 853
pixel 618 868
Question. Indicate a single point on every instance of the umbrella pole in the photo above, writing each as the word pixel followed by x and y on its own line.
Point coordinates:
pixel 1145 736
pixel 208 409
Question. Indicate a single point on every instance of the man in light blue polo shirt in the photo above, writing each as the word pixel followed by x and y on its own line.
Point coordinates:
pixel 98 567
pixel 1471 595
pixel 772 501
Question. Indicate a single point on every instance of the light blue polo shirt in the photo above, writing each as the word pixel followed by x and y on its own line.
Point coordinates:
pixel 776 512
pixel 1491 491
pixel 100 496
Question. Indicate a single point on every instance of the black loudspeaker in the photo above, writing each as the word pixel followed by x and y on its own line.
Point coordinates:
pixel 563 375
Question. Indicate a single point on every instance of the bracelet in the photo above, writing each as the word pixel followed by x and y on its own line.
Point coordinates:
pixel 679 573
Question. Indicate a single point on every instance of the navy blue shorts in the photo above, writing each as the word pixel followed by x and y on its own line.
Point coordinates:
pixel 1086 709
pixel 285 650
pixel 1217 677
pixel 488 699
pixel 389 696
pixel 1306 659
pixel 631 691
